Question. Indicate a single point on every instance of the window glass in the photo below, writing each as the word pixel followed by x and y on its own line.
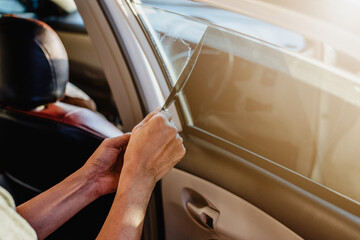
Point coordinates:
pixel 284 100
pixel 192 13
pixel 15 7
pixel 11 6
pixel 59 14
pixel 175 38
pixel 38 9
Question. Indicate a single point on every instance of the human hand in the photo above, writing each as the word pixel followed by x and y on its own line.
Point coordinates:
pixel 105 164
pixel 154 148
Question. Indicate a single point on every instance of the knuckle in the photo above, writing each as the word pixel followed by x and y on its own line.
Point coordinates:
pixel 106 141
pixel 173 131
pixel 180 152
pixel 137 127
pixel 180 140
pixel 183 150
pixel 159 119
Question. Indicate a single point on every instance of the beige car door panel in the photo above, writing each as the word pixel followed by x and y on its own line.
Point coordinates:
pixel 234 217
pixel 296 208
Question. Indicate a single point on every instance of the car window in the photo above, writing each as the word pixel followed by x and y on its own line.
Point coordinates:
pixel 289 99
pixel 15 7
pixel 175 39
pixel 8 6
pixel 59 14
pixel 21 7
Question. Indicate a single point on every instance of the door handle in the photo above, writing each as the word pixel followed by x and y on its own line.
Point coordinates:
pixel 206 216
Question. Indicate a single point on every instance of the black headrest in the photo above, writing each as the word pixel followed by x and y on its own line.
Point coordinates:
pixel 34 67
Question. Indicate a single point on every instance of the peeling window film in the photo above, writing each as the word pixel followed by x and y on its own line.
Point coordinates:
pixel 174 39
pixel 185 20
pixel 290 100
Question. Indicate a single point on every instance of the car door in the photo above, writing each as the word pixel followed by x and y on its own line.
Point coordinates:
pixel 267 103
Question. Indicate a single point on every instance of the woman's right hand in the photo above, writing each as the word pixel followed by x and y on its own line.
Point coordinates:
pixel 154 147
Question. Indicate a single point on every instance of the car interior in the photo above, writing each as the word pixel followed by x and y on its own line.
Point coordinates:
pixel 268 108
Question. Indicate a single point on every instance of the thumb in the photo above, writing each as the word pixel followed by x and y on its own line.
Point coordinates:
pixel 119 141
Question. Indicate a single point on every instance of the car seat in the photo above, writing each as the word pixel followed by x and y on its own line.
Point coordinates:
pixel 42 140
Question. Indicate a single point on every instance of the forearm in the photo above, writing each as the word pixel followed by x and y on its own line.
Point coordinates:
pixel 153 149
pixel 49 210
pixel 126 217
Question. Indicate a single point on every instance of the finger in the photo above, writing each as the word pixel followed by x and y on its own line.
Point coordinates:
pixel 118 142
pixel 173 125
pixel 167 114
pixel 176 146
pixel 149 116
pixel 176 153
pixel 179 139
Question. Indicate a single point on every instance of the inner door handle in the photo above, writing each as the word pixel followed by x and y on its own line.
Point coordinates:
pixel 204 215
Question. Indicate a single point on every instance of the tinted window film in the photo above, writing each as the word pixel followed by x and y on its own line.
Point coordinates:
pixel 174 39
pixel 289 110
pixel 289 99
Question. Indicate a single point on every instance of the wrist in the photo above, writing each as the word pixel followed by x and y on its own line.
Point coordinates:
pixel 138 178
pixel 127 213
pixel 90 181
pixel 139 182
pixel 137 175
